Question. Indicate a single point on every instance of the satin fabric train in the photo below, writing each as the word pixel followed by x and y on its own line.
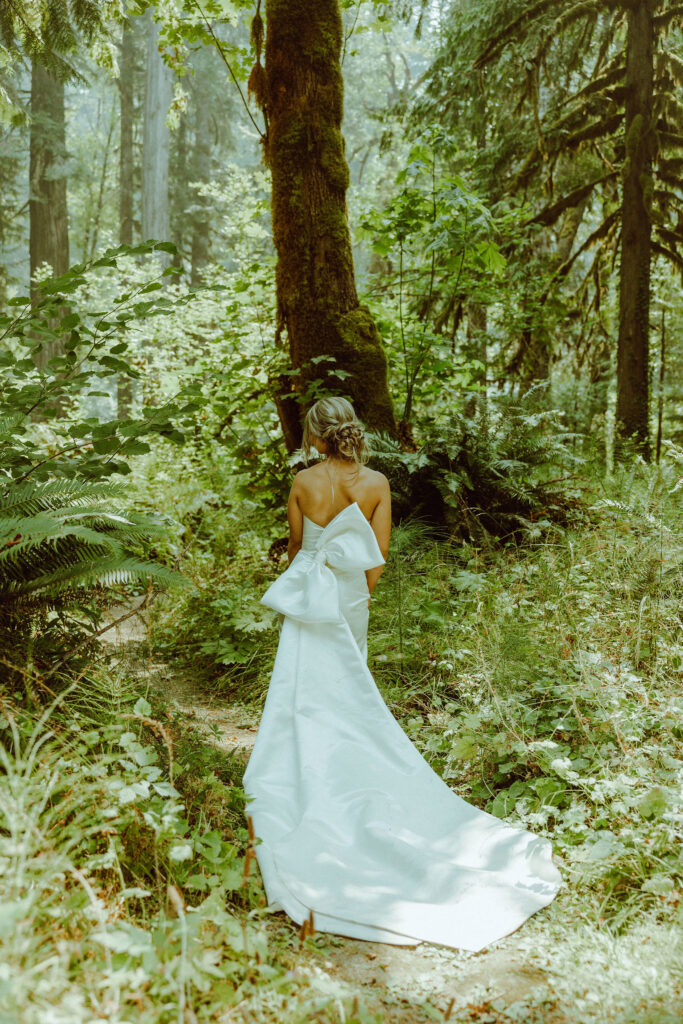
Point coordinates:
pixel 353 823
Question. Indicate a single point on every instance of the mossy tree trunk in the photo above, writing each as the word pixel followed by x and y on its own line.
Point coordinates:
pixel 48 215
pixel 316 292
pixel 127 119
pixel 201 172
pixel 632 411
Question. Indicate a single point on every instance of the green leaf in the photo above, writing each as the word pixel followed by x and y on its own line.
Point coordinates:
pixel 654 803
pixel 165 247
pixel 106 445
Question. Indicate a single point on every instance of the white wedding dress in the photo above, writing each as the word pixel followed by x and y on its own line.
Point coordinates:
pixel 353 823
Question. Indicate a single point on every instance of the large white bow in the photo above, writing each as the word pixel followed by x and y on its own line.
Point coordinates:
pixel 307 591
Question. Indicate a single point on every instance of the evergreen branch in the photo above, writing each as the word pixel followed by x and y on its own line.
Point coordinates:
pixel 581 10
pixel 601 232
pixel 664 20
pixel 617 74
pixel 516 28
pixel 669 254
pixel 556 142
pixel 667 137
pixel 551 212
pixel 673 236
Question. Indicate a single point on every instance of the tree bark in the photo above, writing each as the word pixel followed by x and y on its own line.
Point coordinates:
pixel 126 98
pixel 317 303
pixel 49 230
pixel 632 412
pixel 95 227
pixel 178 191
pixel 48 213
pixel 155 141
pixel 201 172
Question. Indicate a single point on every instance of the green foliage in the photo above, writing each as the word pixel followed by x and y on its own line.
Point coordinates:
pixel 56 540
pixel 218 625
pixel 535 96
pixel 437 243
pixel 543 688
pixel 62 529
pixel 51 32
pixel 485 477
pixel 123 882
pixel 53 355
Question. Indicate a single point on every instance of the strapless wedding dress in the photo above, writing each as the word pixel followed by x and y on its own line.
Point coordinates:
pixel 353 823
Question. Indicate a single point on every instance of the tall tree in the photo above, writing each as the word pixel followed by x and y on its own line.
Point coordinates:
pixel 317 304
pixel 126 158
pixel 48 35
pixel 156 139
pixel 592 143
pixel 201 173
pixel 632 411
pixel 49 229
pixel 615 105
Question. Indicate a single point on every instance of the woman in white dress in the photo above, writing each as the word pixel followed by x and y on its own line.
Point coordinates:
pixel 356 831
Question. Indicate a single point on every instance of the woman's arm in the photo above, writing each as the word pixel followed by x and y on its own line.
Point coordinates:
pixel 381 525
pixel 295 518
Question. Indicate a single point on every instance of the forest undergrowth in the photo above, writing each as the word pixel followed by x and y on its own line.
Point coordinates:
pixel 541 681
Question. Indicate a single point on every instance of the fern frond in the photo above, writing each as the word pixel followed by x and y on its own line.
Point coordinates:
pixel 31 498
pixel 61 535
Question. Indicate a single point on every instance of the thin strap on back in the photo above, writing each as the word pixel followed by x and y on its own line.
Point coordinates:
pixel 331 483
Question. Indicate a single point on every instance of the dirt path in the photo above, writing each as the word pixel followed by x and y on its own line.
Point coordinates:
pixel 398 984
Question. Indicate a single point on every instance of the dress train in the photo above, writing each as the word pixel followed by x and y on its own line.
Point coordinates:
pixel 353 823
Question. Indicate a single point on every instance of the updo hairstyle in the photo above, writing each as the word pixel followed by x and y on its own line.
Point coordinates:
pixel 334 422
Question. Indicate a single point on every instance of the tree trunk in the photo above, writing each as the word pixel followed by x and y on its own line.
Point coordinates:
pixel 178 193
pixel 126 97
pixel 632 413
pixel 95 229
pixel 48 214
pixel 317 302
pixel 201 172
pixel 156 141
pixel 49 231
pixel 569 229
pixel 477 325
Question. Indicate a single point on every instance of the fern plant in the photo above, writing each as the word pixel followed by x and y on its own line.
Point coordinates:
pixel 481 480
pixel 65 531
pixel 63 534
pixel 58 541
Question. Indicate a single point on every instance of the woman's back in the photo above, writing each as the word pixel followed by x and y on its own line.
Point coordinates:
pixel 328 487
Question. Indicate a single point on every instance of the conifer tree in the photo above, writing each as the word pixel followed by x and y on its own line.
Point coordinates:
pixel 585 108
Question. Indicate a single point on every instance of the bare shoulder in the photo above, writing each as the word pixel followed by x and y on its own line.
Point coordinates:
pixel 306 477
pixel 375 487
pixel 377 481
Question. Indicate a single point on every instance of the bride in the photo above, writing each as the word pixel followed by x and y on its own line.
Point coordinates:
pixel 356 832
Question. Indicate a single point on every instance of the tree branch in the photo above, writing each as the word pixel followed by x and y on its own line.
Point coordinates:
pixel 551 212
pixel 221 51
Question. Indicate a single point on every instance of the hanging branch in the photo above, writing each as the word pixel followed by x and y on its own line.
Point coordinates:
pixel 221 51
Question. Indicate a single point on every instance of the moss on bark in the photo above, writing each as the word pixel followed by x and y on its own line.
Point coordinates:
pixel 316 293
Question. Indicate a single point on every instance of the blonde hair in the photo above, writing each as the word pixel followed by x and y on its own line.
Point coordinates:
pixel 334 421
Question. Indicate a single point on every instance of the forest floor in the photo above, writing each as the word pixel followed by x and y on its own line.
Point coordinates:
pixel 397 984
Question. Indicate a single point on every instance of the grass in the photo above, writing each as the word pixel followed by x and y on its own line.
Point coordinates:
pixel 542 682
